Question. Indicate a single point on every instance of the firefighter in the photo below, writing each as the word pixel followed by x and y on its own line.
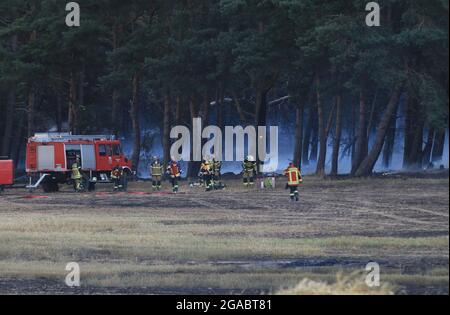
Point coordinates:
pixel 201 178
pixel 216 171
pixel 77 177
pixel 117 175
pixel 156 170
pixel 294 180
pixel 174 171
pixel 249 171
pixel 206 174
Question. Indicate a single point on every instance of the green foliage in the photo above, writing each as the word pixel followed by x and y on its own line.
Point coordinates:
pixel 188 48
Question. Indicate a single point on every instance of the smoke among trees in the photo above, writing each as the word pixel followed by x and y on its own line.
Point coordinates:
pixel 339 90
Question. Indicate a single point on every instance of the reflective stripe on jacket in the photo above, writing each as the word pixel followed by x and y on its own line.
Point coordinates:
pixel 294 176
pixel 157 169
pixel 76 174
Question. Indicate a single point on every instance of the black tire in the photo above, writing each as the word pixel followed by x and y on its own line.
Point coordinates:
pixel 50 186
pixel 91 186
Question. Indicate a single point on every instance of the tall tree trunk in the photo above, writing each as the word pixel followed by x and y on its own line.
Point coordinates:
pixel 366 167
pixel 361 148
pixel 31 98
pixel 18 141
pixel 178 111
pixel 414 124
pixel 261 117
pixel 80 96
pixel 299 135
pixel 10 106
pixel 426 155
pixel 314 138
pixel 390 143
pixel 9 119
pixel 166 128
pixel 307 137
pixel 59 111
pixel 439 144
pixel 372 115
pixel 353 132
pixel 73 111
pixel 409 131
pixel 115 112
pixel 219 106
pixel 30 111
pixel 320 171
pixel 337 137
pixel 193 166
pixel 134 115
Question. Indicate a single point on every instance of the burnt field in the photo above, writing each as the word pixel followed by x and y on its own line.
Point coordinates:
pixel 237 241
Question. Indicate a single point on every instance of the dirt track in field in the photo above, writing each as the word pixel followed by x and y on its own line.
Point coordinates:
pixel 338 226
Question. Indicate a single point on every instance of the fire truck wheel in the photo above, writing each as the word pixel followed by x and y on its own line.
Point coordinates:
pixel 91 186
pixel 50 186
pixel 1 189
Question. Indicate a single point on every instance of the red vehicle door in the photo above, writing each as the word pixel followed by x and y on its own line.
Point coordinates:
pixel 118 158
pixel 6 172
pixel 104 157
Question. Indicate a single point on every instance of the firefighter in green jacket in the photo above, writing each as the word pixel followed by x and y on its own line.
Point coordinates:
pixel 206 174
pixel 216 171
pixel 156 171
pixel 76 175
pixel 249 171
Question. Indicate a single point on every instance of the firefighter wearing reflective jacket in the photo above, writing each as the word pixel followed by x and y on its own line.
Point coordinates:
pixel 216 171
pixel 76 175
pixel 294 177
pixel 174 171
pixel 249 171
pixel 206 174
pixel 156 171
pixel 117 177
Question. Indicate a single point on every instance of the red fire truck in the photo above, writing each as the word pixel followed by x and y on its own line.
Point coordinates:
pixel 6 173
pixel 50 156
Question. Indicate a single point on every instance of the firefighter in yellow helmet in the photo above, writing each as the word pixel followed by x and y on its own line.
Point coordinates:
pixel 117 174
pixel 249 171
pixel 76 175
pixel 206 174
pixel 201 178
pixel 294 177
pixel 156 171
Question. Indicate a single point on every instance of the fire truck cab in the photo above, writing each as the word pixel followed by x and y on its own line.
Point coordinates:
pixel 50 156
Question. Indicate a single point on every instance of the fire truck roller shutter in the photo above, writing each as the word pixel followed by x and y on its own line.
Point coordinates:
pixel 88 157
pixel 72 150
pixel 45 157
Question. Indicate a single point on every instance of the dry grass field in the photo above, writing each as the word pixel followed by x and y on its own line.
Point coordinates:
pixel 235 241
